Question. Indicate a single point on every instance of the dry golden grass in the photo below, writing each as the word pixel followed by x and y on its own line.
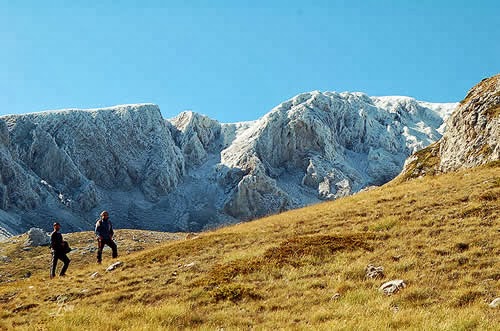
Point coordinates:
pixel 425 163
pixel 300 270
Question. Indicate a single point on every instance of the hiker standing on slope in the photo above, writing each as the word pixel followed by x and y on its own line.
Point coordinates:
pixel 104 233
pixel 58 251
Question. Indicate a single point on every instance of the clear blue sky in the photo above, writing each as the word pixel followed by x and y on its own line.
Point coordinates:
pixel 235 60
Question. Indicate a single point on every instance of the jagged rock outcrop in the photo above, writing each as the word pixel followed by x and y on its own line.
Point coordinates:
pixel 191 172
pixel 196 135
pixel 471 138
pixel 324 145
pixel 37 237
pixel 473 133
pixel 51 161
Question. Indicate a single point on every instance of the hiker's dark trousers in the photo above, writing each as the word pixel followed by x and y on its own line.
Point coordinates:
pixel 59 256
pixel 100 246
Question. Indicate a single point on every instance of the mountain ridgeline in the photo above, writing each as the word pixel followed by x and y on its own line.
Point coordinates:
pixel 192 172
pixel 472 136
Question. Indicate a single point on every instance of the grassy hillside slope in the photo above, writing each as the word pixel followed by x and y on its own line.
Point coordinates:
pixel 303 269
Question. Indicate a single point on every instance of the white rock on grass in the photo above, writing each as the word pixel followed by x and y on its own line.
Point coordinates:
pixel 4 259
pixel 336 296
pixel 37 237
pixel 114 266
pixel 374 272
pixel 392 286
pixel 495 303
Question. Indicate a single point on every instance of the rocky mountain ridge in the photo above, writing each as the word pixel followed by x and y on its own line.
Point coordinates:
pixel 472 136
pixel 192 172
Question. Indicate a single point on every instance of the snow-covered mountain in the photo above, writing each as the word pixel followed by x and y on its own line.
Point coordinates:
pixel 192 172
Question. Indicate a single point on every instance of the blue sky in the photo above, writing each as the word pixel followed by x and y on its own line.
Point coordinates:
pixel 235 60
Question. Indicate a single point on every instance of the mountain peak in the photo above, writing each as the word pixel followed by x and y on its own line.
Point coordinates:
pixel 191 172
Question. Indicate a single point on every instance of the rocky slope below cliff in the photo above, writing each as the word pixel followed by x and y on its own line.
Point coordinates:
pixel 192 172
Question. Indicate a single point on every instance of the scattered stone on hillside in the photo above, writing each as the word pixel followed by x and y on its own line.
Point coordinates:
pixel 134 238
pixel 95 275
pixel 395 308
pixel 369 188
pixel 495 303
pixel 4 259
pixel 374 272
pixel 392 286
pixel 114 266
pixel 189 265
pixel 336 296
pixel 37 237
pixel 191 236
pixel 91 249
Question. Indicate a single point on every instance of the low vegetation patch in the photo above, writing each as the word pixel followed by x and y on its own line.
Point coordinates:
pixel 291 252
pixel 234 293
pixel 426 162
pixel 493 112
pixel 468 298
pixel 294 249
pixel 224 273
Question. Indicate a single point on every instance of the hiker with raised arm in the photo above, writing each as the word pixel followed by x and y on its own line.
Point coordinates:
pixel 104 233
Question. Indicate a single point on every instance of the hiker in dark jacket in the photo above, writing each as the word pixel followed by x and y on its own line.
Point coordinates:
pixel 104 233
pixel 58 251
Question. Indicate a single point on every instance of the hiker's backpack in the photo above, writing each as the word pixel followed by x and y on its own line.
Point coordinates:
pixel 66 248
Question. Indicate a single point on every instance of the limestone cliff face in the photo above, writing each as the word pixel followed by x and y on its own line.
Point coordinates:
pixel 70 160
pixel 324 146
pixel 191 172
pixel 473 133
pixel 471 138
